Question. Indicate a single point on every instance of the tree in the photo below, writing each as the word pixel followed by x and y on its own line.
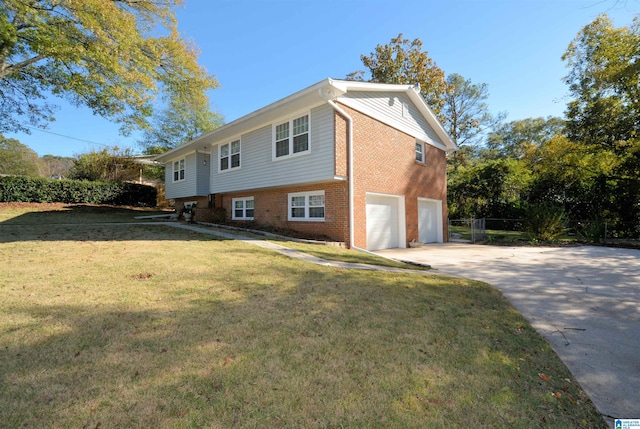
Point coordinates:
pixel 56 166
pixel 182 121
pixel 604 78
pixel 488 188
pixel 404 62
pixel 514 139
pixel 604 116
pixel 466 115
pixel 112 56
pixel 18 159
pixel 107 165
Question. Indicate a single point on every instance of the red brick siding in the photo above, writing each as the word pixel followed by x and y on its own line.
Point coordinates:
pixel 384 162
pixel 271 208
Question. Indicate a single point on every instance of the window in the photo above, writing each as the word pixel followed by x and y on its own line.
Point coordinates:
pixel 291 137
pixel 178 170
pixel 230 155
pixel 242 208
pixel 306 206
pixel 420 152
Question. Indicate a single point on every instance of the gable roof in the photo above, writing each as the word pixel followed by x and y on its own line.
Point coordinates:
pixel 308 98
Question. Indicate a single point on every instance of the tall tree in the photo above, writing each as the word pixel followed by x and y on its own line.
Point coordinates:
pixel 18 159
pixel 604 79
pixel 466 115
pixel 403 61
pixel 604 116
pixel 514 139
pixel 183 120
pixel 112 56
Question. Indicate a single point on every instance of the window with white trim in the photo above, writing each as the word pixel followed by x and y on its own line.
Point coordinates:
pixel 242 208
pixel 306 206
pixel 178 170
pixel 229 155
pixel 291 137
pixel 420 156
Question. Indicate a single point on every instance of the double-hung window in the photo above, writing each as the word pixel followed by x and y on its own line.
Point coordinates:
pixel 242 208
pixel 306 206
pixel 230 155
pixel 420 156
pixel 178 170
pixel 291 137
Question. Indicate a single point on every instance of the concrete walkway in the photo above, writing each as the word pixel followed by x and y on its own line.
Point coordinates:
pixel 585 301
pixel 292 253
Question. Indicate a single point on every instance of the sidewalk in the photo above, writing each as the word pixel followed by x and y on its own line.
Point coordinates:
pixel 292 253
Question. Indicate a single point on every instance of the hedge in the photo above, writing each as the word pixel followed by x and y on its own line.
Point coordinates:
pixel 41 190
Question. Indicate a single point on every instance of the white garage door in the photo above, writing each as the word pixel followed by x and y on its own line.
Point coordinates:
pixel 382 222
pixel 429 221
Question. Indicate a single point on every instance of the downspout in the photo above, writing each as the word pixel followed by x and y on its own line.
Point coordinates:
pixel 344 114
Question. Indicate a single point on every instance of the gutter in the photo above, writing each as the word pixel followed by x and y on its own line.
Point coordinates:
pixel 342 112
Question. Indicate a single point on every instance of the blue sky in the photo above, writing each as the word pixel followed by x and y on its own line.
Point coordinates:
pixel 264 50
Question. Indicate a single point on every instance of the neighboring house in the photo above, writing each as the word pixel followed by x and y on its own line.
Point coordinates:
pixel 362 163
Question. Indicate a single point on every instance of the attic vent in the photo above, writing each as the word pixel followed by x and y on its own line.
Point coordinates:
pixel 405 110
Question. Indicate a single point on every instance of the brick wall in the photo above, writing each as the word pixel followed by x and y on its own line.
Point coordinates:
pixel 271 208
pixel 384 162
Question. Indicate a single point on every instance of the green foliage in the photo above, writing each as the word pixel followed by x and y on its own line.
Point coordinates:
pixel 18 159
pixel 403 61
pixel 107 165
pixel 544 222
pixel 594 231
pixel 41 190
pixel 604 80
pixel 111 56
pixel 466 114
pixel 494 188
pixel 183 120
pixel 516 138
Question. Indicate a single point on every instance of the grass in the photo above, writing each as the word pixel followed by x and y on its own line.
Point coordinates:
pixel 148 326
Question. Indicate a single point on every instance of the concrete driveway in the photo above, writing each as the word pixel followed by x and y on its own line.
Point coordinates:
pixel 585 301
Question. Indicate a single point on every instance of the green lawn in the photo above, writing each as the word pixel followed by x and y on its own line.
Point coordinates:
pixel 149 326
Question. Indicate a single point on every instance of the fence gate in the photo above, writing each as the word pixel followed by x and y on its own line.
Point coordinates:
pixel 467 230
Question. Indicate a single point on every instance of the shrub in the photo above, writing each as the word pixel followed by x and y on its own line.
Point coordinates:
pixel 41 190
pixel 594 231
pixel 544 222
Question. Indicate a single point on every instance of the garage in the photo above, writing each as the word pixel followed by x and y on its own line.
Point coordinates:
pixel 385 221
pixel 429 220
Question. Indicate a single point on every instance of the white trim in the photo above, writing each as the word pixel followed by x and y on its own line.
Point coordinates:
pixel 289 120
pixel 306 207
pixel 183 169
pixel 423 152
pixel 244 208
pixel 219 159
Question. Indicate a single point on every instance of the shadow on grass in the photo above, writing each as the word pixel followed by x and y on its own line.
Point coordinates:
pixel 288 346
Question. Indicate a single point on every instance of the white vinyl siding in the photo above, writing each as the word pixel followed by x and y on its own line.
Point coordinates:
pixel 396 109
pixel 260 171
pixel 196 176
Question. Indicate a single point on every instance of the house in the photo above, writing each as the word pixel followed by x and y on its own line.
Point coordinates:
pixel 361 163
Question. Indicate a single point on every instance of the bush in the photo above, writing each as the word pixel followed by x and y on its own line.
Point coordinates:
pixel 544 222
pixel 40 190
pixel 594 231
